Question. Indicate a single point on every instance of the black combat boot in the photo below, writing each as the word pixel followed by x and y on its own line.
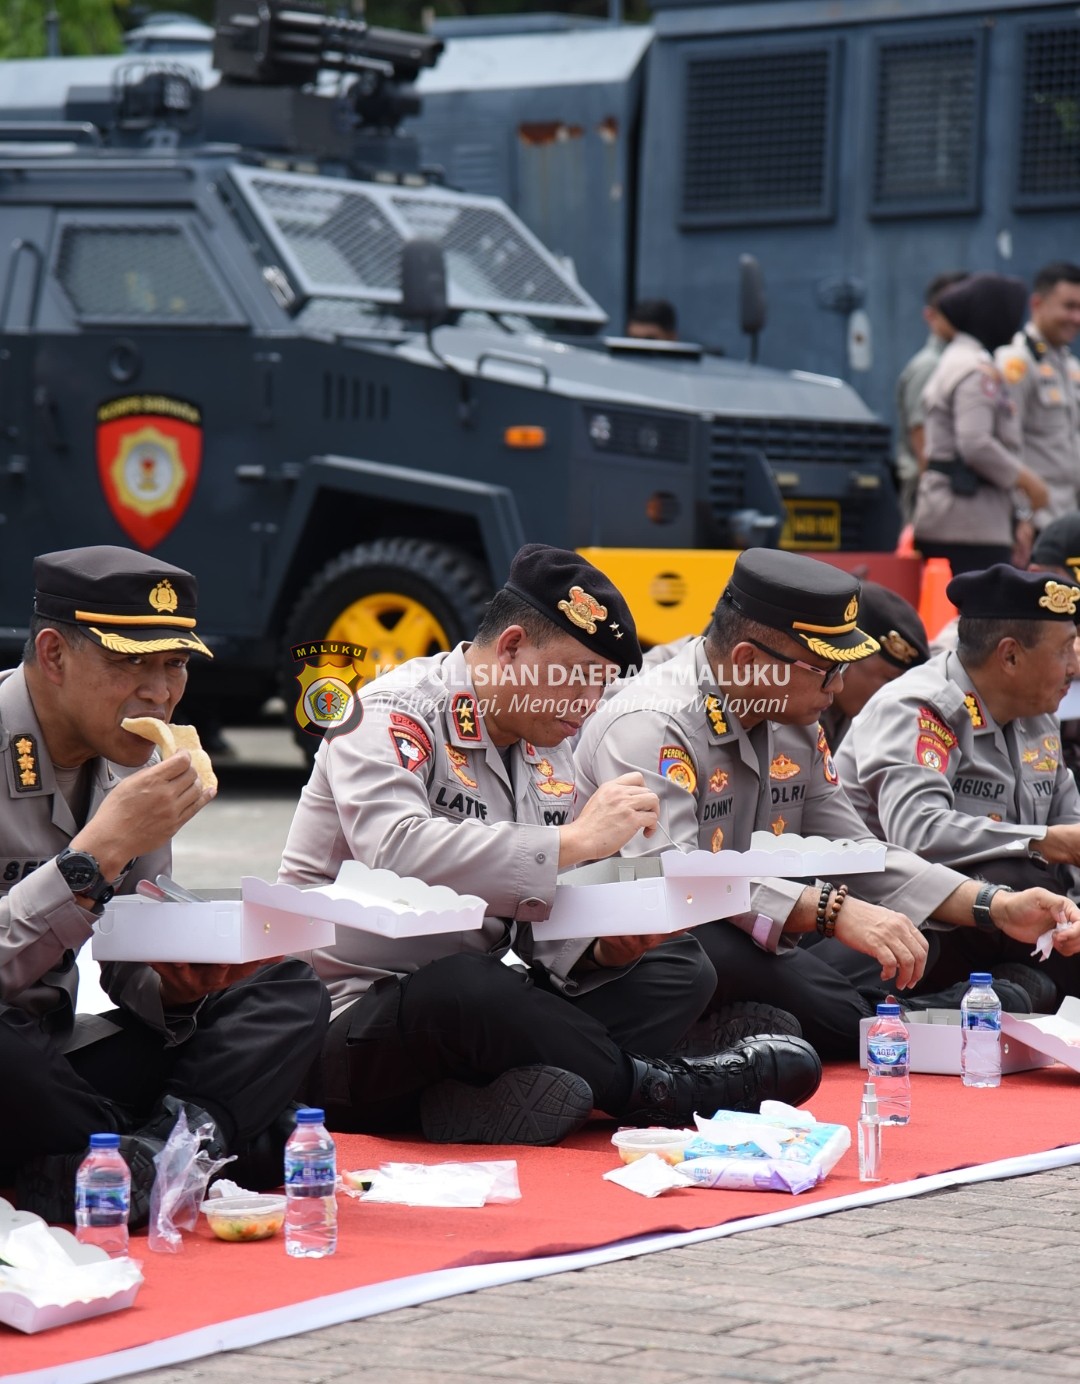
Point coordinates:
pixel 525 1105
pixel 772 1067
pixel 1014 998
pixel 732 1023
pixel 46 1184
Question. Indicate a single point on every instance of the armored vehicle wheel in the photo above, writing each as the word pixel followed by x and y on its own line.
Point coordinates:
pixel 399 598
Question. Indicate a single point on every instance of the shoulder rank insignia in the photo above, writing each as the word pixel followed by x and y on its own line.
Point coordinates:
pixel 24 757
pixel 1059 599
pixel 584 610
pixel 677 766
pixel 458 760
pixel 714 710
pixel 784 768
pixel 466 719
pixel 974 710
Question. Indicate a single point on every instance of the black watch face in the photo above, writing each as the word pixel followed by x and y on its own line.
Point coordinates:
pixel 80 871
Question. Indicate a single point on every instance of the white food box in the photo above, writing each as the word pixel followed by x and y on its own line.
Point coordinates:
pixel 279 919
pixel 680 889
pixel 934 1044
pixel 1055 1036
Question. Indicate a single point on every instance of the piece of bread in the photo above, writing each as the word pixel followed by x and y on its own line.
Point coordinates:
pixel 169 738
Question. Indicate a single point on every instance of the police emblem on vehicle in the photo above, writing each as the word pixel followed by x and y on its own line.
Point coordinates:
pixel 149 450
pixel 329 675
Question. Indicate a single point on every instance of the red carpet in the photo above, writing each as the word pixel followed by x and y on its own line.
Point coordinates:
pixel 565 1206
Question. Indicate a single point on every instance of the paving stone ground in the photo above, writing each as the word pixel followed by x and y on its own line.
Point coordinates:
pixel 976 1284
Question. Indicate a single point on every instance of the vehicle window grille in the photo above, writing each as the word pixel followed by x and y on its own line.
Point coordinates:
pixel 639 434
pixel 347 317
pixel 346 398
pixel 927 125
pixel 758 136
pixel 137 274
pixel 1049 162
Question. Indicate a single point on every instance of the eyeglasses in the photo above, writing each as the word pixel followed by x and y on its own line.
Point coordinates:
pixel 828 675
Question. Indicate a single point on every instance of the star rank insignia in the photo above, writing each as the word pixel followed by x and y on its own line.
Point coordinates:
pixel 24 758
pixel 614 628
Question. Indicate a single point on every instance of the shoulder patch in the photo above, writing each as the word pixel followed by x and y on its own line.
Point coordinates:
pixel 24 757
pixel 827 765
pixel 410 740
pixel 677 766
pixel 934 741
pixel 990 385
pixel 1014 368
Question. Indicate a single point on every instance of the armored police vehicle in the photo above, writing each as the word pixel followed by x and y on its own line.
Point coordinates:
pixel 241 328
pixel 855 147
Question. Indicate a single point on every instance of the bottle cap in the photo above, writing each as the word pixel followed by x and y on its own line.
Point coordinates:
pixel 891 1010
pixel 310 1114
pixel 869 1102
pixel 104 1141
pixel 980 978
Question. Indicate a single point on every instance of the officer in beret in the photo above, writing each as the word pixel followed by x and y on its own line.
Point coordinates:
pixel 961 761
pixel 727 735
pixel 460 773
pixel 1057 548
pixel 902 644
pixel 86 811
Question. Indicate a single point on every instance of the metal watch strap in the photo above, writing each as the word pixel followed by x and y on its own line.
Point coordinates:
pixel 980 909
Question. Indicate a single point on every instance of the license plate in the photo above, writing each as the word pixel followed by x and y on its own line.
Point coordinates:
pixel 812 524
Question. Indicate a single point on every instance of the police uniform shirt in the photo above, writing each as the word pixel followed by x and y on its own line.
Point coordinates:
pixel 418 788
pixel 1044 381
pixel 970 416
pixel 41 925
pixel 717 784
pixel 909 404
pixel 929 768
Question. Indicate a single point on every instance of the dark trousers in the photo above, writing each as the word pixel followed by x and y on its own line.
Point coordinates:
pixel 825 1002
pixel 251 1049
pixel 966 557
pixel 472 1018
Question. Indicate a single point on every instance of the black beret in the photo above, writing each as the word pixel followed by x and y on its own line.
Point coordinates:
pixel 1059 545
pixel 1005 593
pixel 895 624
pixel 809 600
pixel 126 601
pixel 579 599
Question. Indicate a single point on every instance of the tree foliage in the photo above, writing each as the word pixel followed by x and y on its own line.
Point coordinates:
pixel 86 26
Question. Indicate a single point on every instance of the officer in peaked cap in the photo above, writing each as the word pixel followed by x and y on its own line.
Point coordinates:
pixel 1057 548
pixel 727 735
pixel 961 761
pixel 81 819
pixel 902 644
pixel 460 773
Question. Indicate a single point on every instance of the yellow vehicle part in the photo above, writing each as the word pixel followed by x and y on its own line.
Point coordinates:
pixel 670 591
pixel 392 627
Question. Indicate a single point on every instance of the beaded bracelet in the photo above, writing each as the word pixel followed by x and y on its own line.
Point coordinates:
pixel 820 918
pixel 834 911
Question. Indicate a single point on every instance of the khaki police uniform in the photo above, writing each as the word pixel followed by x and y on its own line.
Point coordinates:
pixel 910 414
pixel 238 1053
pixel 717 784
pixel 418 787
pixel 970 419
pixel 1044 382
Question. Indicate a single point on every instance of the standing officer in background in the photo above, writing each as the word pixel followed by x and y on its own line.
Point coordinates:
pixel 967 498
pixel 460 774
pixel 960 761
pixel 1043 377
pixel 727 736
pixel 86 811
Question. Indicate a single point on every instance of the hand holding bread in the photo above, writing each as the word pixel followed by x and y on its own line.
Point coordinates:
pixel 170 739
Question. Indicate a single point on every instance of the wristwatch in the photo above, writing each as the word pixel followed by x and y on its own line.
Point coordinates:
pixel 980 909
pixel 83 876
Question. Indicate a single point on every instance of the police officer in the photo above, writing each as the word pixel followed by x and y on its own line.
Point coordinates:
pixel 459 774
pixel 727 734
pixel 961 760
pixel 966 498
pixel 902 644
pixel 81 818
pixel 1043 377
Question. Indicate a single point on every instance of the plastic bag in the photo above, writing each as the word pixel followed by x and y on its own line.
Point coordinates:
pixel 445 1184
pixel 183 1170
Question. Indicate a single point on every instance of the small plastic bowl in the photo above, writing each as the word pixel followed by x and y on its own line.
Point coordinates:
pixel 245 1218
pixel 667 1144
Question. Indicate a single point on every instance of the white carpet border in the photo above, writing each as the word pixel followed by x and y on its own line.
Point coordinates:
pixel 357 1303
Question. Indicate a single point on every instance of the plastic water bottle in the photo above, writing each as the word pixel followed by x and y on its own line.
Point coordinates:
pixel 980 1039
pixel 887 1065
pixel 310 1188
pixel 103 1197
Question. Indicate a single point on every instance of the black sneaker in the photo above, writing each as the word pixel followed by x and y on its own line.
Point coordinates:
pixel 733 1023
pixel 1013 999
pixel 1036 984
pixel 46 1185
pixel 526 1105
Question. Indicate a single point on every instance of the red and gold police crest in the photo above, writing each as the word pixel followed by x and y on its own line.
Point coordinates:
pixel 149 450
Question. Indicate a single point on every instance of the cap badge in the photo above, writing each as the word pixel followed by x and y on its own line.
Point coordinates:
pixel 163 598
pixel 1059 598
pixel 894 643
pixel 852 611
pixel 584 610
